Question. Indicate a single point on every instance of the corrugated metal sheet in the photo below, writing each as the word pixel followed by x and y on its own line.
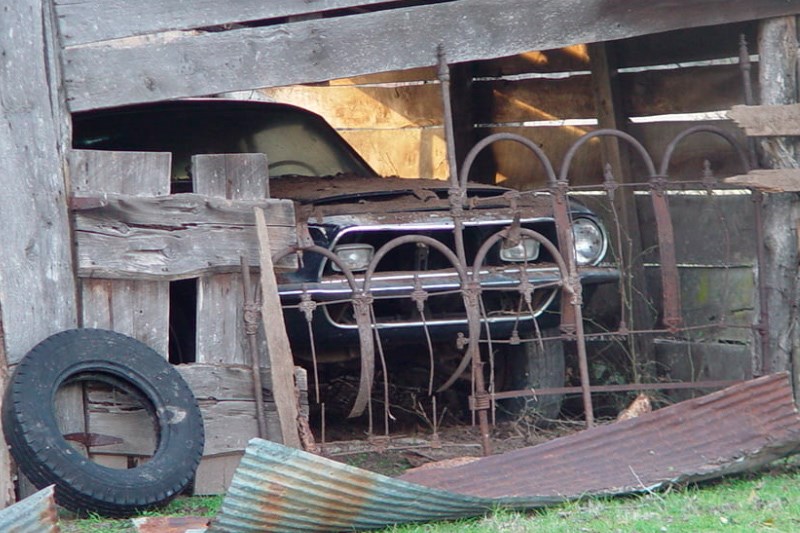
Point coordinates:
pixel 282 489
pixel 731 430
pixel 34 514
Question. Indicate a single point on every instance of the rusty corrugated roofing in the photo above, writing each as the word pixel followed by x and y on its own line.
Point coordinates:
pixel 740 427
pixel 34 514
pixel 282 489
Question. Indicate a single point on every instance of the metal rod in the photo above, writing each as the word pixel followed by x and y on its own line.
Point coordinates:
pixel 719 384
pixel 251 328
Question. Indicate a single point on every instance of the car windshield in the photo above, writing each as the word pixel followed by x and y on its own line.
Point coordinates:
pixel 295 142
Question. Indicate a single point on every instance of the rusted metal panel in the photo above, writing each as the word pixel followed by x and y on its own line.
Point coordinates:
pixel 277 488
pixel 34 514
pixel 742 427
pixel 732 430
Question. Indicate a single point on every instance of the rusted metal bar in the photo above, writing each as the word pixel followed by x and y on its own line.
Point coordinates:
pixel 458 194
pixel 617 388
pixel 252 316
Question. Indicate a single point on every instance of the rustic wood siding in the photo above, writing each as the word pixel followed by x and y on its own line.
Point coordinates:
pixel 191 64
pixel 37 288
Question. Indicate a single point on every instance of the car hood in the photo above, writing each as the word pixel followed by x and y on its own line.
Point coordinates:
pixel 399 199
pixel 350 188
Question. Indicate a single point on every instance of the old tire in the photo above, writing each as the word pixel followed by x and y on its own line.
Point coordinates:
pixel 46 458
pixel 534 365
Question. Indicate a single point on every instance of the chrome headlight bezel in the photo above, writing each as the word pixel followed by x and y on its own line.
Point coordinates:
pixel 526 250
pixel 589 241
pixel 356 256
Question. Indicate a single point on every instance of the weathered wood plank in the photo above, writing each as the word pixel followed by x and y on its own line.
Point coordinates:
pixel 663 48
pixel 769 180
pixel 225 397
pixel 778 54
pixel 657 92
pixel 215 473
pixel 407 152
pixel 98 20
pixel 325 49
pixel 137 308
pixel 133 173
pixel 405 106
pixel 767 120
pixel 6 466
pixel 220 297
pixel 172 237
pixel 281 363
pixel 728 227
pixel 37 289
pixel 688 160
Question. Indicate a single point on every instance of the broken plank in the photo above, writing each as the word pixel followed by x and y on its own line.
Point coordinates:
pixel 281 364
pixel 215 472
pixel 173 237
pixel 769 180
pixel 767 120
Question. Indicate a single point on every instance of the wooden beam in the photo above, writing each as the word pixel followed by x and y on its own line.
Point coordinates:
pixel 172 237
pixel 770 180
pixel 777 50
pixel 395 39
pixel 37 286
pixel 101 20
pixel 767 120
pixel 281 363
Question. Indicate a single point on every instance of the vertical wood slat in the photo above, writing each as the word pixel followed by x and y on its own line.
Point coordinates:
pixel 137 308
pixel 220 298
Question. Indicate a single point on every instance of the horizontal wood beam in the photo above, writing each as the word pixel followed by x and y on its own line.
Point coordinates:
pixel 767 120
pixel 394 39
pixel 173 237
pixel 92 21
pixel 769 180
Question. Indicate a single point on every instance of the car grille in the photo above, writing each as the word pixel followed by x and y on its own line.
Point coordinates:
pixel 444 303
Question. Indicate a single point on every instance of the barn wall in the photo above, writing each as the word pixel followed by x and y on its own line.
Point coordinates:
pixel 36 259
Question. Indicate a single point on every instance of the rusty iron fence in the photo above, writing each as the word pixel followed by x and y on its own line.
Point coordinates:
pixel 655 184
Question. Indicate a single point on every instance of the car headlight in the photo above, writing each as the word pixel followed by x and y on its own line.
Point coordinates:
pixel 527 249
pixel 355 256
pixel 589 240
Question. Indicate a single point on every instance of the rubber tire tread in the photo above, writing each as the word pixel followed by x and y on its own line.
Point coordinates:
pixel 83 486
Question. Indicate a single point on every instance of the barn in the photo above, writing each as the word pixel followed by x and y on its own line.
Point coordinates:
pixel 653 114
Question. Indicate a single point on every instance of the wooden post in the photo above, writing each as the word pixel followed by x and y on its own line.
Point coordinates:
pixel 281 364
pixel 220 300
pixel 777 50
pixel 37 283
pixel 637 314
pixel 6 478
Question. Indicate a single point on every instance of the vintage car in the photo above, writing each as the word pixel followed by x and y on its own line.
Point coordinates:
pixel 350 210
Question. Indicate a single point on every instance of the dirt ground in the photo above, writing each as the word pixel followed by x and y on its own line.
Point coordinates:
pixel 453 443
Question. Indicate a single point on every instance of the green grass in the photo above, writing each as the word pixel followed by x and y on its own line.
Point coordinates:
pixel 768 501
pixel 765 501
pixel 181 506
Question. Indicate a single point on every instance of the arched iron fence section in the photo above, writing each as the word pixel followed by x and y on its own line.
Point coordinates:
pixel 656 183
